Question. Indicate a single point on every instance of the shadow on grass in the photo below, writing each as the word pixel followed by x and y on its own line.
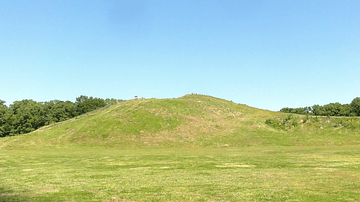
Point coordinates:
pixel 7 195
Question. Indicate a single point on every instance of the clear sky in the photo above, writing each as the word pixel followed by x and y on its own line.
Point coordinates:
pixel 267 54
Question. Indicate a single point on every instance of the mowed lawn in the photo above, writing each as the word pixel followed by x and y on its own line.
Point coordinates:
pixel 279 173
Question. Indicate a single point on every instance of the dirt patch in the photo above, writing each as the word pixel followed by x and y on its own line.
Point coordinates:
pixel 47 190
pixel 234 166
pixel 327 169
pixel 139 168
pixel 115 199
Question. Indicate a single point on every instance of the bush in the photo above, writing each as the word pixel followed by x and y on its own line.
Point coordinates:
pixel 274 123
pixel 354 124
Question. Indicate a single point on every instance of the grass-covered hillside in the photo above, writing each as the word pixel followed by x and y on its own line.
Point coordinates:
pixel 193 148
pixel 192 120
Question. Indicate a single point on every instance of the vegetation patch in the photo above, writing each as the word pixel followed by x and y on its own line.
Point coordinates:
pixel 310 122
pixel 193 148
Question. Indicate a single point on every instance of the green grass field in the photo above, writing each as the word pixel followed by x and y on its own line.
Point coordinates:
pixel 194 148
pixel 328 173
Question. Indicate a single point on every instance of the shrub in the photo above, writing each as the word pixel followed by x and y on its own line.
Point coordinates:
pixel 274 123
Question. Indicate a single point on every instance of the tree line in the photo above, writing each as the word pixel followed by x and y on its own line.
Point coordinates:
pixel 332 109
pixel 28 115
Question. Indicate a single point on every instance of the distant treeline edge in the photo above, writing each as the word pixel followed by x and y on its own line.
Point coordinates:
pixel 27 115
pixel 332 109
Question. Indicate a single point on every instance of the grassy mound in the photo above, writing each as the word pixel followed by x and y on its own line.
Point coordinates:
pixel 188 121
pixel 193 148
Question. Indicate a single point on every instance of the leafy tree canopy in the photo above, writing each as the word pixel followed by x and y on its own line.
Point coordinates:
pixel 28 115
pixel 355 106
pixel 331 109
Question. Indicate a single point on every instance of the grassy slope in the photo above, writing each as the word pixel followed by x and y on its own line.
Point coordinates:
pixel 193 148
pixel 192 120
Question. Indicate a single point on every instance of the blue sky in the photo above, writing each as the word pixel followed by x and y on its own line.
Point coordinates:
pixel 267 54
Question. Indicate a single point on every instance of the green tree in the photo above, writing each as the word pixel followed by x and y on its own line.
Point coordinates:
pixel 112 101
pixel 285 110
pixel 58 110
pixel 5 115
pixel 332 109
pixel 355 106
pixel 317 110
pixel 345 110
pixel 28 115
pixel 86 104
